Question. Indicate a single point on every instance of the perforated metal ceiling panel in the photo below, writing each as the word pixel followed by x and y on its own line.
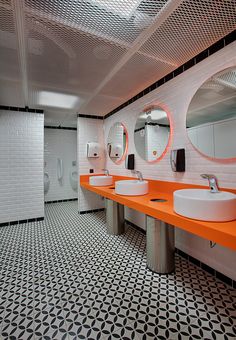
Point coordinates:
pixel 10 75
pixel 101 51
pixel 192 27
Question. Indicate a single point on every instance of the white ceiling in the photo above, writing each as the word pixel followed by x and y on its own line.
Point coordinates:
pixel 102 52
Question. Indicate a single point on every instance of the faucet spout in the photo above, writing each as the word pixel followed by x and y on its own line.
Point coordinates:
pixel 139 174
pixel 213 184
pixel 106 172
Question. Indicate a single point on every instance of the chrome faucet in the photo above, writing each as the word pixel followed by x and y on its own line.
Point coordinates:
pixel 139 174
pixel 212 182
pixel 106 172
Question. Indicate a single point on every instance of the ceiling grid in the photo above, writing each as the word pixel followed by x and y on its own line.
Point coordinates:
pixel 101 52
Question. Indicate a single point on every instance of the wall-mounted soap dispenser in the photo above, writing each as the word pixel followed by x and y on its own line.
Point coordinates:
pixel 93 150
pixel 129 162
pixel 177 160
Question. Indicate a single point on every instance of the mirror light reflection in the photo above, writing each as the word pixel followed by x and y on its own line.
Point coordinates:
pixel 211 116
pixel 117 142
pixel 151 134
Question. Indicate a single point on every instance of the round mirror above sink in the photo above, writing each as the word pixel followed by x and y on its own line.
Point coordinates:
pixel 211 116
pixel 117 143
pixel 152 134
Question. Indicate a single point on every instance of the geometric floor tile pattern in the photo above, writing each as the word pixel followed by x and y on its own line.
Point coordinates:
pixel 66 278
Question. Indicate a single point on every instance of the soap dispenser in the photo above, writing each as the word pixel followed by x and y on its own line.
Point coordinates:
pixel 129 162
pixel 177 160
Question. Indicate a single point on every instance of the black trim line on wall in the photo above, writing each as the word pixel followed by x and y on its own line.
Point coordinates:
pixel 196 262
pixel 37 219
pixel 80 115
pixel 90 211
pixel 195 60
pixel 20 109
pixel 59 127
pixel 59 201
pixel 135 227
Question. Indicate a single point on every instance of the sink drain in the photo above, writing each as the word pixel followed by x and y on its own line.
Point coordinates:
pixel 158 200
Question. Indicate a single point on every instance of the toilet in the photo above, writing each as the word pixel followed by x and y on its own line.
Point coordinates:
pixel 46 182
pixel 74 179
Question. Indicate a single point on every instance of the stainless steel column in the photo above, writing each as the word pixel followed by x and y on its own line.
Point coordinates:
pixel 160 246
pixel 115 217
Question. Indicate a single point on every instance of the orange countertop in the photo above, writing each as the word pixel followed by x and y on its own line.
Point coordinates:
pixel 223 233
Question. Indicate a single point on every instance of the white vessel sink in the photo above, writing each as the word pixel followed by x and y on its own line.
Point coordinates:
pixel 201 204
pixel 131 187
pixel 100 181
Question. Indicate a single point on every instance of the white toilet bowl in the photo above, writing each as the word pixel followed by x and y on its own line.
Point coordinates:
pixel 74 180
pixel 46 182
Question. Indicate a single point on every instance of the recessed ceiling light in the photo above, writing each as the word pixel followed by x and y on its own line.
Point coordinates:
pixel 123 8
pixel 55 99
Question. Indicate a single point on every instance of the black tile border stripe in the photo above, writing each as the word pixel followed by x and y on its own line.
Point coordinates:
pixel 196 262
pixel 90 211
pixel 6 224
pixel 231 37
pixel 207 268
pixel 20 109
pixel 80 115
pixel 60 201
pixel 59 127
pixel 135 227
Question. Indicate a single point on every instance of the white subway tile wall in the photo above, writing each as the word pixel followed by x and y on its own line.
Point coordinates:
pixel 62 144
pixel 21 166
pixel 89 130
pixel 175 97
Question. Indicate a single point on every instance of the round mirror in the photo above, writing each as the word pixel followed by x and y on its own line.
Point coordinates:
pixel 152 134
pixel 211 117
pixel 117 142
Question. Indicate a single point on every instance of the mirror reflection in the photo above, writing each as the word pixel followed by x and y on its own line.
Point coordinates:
pixel 151 134
pixel 117 142
pixel 211 117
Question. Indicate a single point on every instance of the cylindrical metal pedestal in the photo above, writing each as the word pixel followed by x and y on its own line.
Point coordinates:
pixel 115 217
pixel 160 246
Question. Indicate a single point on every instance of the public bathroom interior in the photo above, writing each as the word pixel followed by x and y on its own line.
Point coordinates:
pixel 117 169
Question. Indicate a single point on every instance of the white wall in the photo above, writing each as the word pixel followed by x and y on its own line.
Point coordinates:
pixel 89 130
pixel 60 143
pixel 156 140
pixel 21 166
pixel 216 139
pixel 175 97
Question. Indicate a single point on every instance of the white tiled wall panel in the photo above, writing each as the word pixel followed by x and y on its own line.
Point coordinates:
pixel 21 166
pixel 175 97
pixel 90 130
pixel 60 143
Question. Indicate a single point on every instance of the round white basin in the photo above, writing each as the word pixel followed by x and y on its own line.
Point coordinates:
pixel 131 187
pixel 201 204
pixel 100 181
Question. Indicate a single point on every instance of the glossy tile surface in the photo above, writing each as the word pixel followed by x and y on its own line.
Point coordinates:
pixel 66 278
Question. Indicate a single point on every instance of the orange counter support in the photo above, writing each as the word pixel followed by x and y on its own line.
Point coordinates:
pixel 221 233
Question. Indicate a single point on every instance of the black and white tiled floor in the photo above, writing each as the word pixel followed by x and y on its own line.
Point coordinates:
pixel 65 278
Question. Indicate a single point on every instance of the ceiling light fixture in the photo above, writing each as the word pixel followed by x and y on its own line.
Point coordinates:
pixel 123 8
pixel 55 99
